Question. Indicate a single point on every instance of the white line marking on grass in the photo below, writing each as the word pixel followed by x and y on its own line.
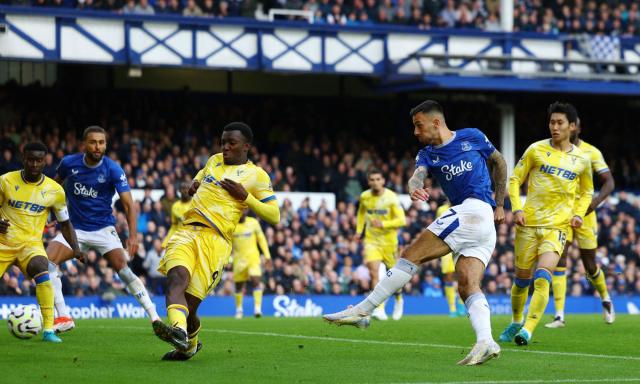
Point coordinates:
pixel 620 380
pixel 402 343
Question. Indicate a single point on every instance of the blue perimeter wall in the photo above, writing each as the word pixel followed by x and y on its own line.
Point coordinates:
pixel 298 306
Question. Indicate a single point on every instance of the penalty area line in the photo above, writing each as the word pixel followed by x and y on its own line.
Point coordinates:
pixel 618 380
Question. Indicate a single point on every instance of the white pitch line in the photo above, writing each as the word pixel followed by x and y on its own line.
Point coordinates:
pixel 399 343
pixel 619 380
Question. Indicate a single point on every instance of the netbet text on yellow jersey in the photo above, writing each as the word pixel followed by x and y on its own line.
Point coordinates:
pixel 598 165
pixel 27 205
pixel 554 180
pixel 385 208
pixel 246 239
pixel 213 206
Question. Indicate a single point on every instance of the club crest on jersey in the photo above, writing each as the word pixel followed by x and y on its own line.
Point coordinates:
pixel 74 172
pixel 101 178
pixel 42 193
pixel 17 187
pixel 548 154
pixel 466 146
pixel 436 160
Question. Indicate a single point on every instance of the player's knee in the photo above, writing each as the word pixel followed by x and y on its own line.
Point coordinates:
pixel 467 285
pixel 38 265
pixel 177 280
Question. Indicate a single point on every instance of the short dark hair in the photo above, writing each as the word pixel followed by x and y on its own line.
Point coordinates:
pixel 567 109
pixel 35 146
pixel 93 129
pixel 374 171
pixel 242 127
pixel 427 106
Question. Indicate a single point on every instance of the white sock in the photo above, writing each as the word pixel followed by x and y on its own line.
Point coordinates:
pixel 58 298
pixel 137 289
pixel 560 315
pixel 480 315
pixel 396 278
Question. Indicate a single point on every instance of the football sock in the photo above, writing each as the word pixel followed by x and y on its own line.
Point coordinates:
pixel 398 297
pixel 480 315
pixel 600 284
pixel 239 297
pixel 539 299
pixel 519 293
pixel 395 279
pixel 559 283
pixel 193 340
pixel 178 314
pixel 450 294
pixel 137 289
pixel 58 298
pixel 257 300
pixel 44 294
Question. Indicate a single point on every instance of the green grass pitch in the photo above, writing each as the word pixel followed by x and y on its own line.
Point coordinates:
pixel 417 349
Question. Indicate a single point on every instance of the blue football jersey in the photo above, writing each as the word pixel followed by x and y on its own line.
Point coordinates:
pixel 90 190
pixel 460 165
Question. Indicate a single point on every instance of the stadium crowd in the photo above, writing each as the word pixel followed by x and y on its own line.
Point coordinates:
pixel 314 251
pixel 543 16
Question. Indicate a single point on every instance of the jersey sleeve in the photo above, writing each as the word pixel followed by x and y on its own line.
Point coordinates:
pixel 398 219
pixel 520 173
pixel 60 206
pixel 119 178
pixel 360 217
pixel 62 171
pixel 261 188
pixel 481 142
pixel 598 165
pixel 421 159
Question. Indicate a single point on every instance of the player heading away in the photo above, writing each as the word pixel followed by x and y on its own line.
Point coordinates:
pixel 26 198
pixel 90 180
pixel 466 164
pixel 198 252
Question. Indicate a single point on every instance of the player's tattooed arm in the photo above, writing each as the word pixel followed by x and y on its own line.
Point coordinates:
pixel 416 185
pixel 498 171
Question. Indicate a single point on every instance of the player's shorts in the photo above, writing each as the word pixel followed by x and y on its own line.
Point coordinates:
pixel 203 252
pixel 246 267
pixel 468 229
pixel 379 252
pixel 587 234
pixel 446 264
pixel 532 242
pixel 102 241
pixel 19 254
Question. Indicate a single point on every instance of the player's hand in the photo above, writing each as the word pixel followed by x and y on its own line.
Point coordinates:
pixel 194 187
pixel 4 225
pixel 357 237
pixel 576 222
pixel 82 256
pixel 518 218
pixel 268 263
pixel 376 223
pixel 420 194
pixel 132 244
pixel 498 215
pixel 591 208
pixel 236 190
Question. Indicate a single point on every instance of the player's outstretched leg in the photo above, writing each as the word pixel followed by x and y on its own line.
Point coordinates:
pixel 359 315
pixel 539 301
pixel 596 277
pixel 177 310
pixel 519 293
pixel 63 322
pixel 38 268
pixel 193 328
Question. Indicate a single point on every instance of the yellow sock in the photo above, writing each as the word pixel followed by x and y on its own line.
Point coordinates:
pixel 539 300
pixel 519 294
pixel 450 293
pixel 559 284
pixel 44 294
pixel 600 284
pixel 398 297
pixel 257 300
pixel 178 314
pixel 239 296
pixel 193 340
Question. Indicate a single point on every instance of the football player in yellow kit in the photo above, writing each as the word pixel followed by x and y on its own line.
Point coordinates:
pixel 178 209
pixel 197 253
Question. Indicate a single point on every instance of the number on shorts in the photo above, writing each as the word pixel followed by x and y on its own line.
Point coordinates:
pixel 562 237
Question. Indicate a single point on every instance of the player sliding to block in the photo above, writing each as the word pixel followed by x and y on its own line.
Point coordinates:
pixel 465 163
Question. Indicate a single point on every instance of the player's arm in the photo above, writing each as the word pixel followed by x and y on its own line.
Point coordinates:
pixel 586 195
pixel 262 243
pixel 267 210
pixel 360 219
pixel 518 177
pixel 398 218
pixel 132 221
pixel 4 223
pixel 416 185
pixel 195 183
pixel 608 185
pixel 498 172
pixel 69 234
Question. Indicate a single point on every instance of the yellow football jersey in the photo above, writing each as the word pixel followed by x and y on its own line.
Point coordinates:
pixel 598 165
pixel 27 205
pixel 213 206
pixel 386 208
pixel 246 239
pixel 178 209
pixel 554 178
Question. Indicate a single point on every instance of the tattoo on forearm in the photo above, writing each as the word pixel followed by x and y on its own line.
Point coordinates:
pixel 498 172
pixel 417 180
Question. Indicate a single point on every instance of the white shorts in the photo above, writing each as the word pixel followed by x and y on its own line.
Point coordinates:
pixel 468 229
pixel 102 240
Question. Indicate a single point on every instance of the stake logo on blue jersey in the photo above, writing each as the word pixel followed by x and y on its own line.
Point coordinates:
pixel 90 190
pixel 460 165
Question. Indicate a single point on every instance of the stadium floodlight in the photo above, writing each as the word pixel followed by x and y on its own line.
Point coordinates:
pixel 291 12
